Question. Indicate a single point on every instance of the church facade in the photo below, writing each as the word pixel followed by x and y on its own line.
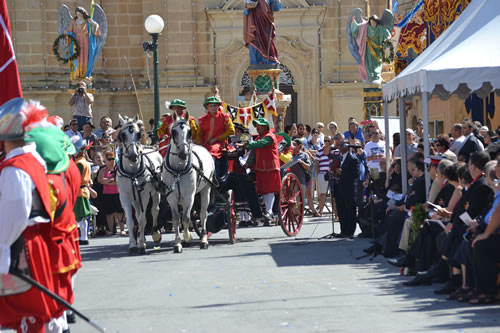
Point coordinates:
pixel 200 47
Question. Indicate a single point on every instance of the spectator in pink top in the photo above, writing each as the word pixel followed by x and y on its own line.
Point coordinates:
pixel 110 195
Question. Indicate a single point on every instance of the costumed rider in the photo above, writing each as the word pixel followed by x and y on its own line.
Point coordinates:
pixel 215 127
pixel 26 215
pixel 266 165
pixel 82 208
pixel 64 183
pixel 179 107
pixel 239 181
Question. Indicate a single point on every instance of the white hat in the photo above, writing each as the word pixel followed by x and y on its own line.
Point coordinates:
pixel 332 123
pixel 485 128
pixel 409 130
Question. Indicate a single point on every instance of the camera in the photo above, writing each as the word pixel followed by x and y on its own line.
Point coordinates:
pixel 80 91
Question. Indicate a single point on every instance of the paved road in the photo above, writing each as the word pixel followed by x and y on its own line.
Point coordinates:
pixel 264 283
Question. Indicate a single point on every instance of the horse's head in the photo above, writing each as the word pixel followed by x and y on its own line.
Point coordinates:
pixel 181 135
pixel 129 137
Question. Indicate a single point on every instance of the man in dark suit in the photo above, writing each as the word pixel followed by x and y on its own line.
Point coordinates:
pixel 345 191
pixel 471 143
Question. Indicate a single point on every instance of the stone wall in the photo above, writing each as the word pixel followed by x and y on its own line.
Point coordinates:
pixel 200 46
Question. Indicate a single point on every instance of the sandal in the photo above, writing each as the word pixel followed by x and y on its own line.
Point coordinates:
pixel 123 233
pixel 316 214
pixel 460 293
pixel 109 233
pixel 483 299
pixel 466 297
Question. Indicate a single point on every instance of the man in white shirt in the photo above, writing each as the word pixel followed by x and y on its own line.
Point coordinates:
pixel 411 145
pixel 458 138
pixel 375 150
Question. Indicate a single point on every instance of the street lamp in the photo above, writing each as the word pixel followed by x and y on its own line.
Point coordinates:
pixel 154 26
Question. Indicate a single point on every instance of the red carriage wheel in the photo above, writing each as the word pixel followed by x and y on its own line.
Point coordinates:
pixel 291 205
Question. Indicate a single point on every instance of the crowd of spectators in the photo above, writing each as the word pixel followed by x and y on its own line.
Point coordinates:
pixel 455 242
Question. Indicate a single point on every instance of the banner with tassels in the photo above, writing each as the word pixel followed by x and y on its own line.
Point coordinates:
pixel 245 115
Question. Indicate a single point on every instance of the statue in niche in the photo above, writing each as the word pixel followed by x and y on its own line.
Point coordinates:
pixel 88 32
pixel 365 39
pixel 259 31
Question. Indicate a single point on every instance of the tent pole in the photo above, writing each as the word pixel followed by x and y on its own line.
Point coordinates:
pixel 387 138
pixel 403 149
pixel 425 111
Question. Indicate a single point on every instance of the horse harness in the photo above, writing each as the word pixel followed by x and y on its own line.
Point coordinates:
pixel 138 187
pixel 179 173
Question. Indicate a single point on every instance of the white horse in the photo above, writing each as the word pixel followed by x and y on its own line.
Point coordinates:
pixel 138 177
pixel 187 170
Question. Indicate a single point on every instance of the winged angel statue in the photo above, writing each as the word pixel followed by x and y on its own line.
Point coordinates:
pixel 365 40
pixel 82 38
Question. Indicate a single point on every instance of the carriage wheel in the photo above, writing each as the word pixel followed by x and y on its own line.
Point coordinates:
pixel 291 205
pixel 232 220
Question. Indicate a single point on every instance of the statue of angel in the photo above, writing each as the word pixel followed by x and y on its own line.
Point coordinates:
pixel 89 32
pixel 365 39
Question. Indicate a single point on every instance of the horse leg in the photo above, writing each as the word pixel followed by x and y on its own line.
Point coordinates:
pixel 127 208
pixel 155 197
pixel 175 221
pixel 141 220
pixel 185 218
pixel 205 200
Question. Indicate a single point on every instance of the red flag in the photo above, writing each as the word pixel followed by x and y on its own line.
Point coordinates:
pixel 10 85
pixel 270 103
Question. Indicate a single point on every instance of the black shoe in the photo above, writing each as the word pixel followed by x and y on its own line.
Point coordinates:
pixel 71 318
pixel 345 236
pixel 450 286
pixel 267 219
pixel 401 261
pixel 244 224
pixel 438 272
pixel 364 235
pixel 83 242
pixel 416 281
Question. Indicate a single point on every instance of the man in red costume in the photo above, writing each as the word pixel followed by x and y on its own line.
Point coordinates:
pixel 266 165
pixel 214 128
pixel 64 182
pixel 26 212
pixel 178 106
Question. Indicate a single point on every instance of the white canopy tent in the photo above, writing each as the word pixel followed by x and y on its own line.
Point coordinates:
pixel 465 59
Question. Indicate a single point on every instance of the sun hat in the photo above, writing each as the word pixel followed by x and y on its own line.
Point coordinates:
pixel 177 102
pixel 212 100
pixel 260 121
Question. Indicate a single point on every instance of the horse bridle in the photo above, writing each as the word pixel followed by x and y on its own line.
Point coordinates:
pixel 126 147
pixel 179 146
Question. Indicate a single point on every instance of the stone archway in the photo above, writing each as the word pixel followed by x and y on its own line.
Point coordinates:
pixel 287 83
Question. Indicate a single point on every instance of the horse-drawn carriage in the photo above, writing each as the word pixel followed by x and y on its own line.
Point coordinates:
pixel 185 173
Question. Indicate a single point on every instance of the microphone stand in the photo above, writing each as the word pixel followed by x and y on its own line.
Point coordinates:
pixel 371 197
pixel 331 184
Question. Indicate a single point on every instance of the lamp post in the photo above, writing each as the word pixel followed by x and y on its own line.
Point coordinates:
pixel 154 26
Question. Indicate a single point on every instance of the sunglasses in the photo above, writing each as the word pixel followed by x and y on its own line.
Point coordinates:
pixel 110 159
pixel 74 124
